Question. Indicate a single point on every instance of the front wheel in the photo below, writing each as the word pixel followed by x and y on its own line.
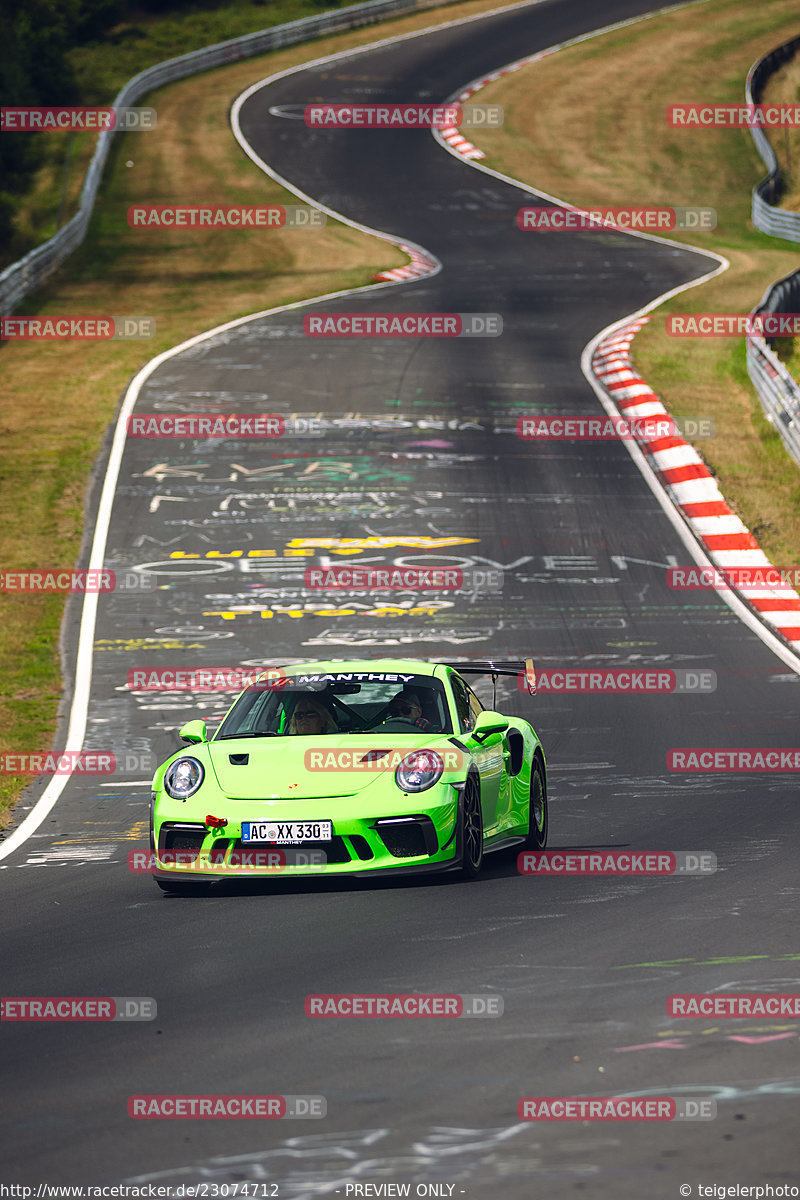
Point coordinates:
pixel 537 810
pixel 471 830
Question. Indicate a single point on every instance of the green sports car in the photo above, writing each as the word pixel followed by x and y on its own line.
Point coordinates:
pixel 349 768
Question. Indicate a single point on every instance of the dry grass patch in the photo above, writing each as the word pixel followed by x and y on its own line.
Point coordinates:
pixel 588 125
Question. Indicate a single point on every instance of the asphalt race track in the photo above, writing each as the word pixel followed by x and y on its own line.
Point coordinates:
pixel 419 444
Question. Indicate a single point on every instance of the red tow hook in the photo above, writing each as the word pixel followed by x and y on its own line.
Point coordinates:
pixel 216 822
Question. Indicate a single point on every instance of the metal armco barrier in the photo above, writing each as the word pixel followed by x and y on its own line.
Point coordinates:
pixel 766 217
pixel 777 390
pixel 22 277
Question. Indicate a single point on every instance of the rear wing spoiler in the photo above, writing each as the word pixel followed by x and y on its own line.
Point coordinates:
pixel 517 666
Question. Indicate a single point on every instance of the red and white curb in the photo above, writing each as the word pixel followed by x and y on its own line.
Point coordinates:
pixel 451 135
pixel 421 264
pixel 690 485
pixel 477 84
pixel 459 143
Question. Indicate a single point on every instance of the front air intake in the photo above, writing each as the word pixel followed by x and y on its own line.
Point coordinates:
pixel 408 837
pixel 182 837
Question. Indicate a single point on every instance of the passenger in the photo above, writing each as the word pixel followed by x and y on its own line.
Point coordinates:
pixel 311 718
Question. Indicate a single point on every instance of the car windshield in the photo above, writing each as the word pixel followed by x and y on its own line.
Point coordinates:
pixel 342 702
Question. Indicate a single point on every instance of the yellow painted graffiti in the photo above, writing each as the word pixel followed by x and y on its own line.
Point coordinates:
pixel 307 547
pixel 145 643
pixel 389 610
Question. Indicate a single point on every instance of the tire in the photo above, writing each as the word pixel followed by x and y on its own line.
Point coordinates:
pixel 184 887
pixel 537 810
pixel 471 830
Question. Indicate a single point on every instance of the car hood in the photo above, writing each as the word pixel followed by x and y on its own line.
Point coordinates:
pixel 308 768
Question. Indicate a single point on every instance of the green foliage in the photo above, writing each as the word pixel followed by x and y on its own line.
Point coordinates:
pixel 35 69
pixel 81 52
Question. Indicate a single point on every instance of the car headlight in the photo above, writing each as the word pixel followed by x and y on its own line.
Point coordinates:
pixel 183 778
pixel 419 770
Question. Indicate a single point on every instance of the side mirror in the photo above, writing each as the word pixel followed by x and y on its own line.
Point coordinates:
pixel 194 732
pixel 488 723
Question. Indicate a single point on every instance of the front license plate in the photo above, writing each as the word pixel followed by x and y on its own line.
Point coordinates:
pixel 286 832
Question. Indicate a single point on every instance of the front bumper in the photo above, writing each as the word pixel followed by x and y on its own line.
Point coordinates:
pixel 422 837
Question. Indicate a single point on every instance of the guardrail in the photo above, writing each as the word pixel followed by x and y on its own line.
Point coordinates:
pixel 23 276
pixel 766 217
pixel 777 390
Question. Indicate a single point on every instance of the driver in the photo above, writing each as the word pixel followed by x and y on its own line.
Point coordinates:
pixel 408 707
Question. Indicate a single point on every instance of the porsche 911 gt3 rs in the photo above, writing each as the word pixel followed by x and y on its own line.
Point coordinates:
pixel 351 768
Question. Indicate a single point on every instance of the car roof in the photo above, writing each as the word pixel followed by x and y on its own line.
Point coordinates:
pixel 343 666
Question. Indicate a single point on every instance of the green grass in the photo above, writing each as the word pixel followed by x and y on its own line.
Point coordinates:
pixel 130 47
pixel 103 67
pixel 606 142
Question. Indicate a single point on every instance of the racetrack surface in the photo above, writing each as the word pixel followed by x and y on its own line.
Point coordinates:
pixel 584 965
